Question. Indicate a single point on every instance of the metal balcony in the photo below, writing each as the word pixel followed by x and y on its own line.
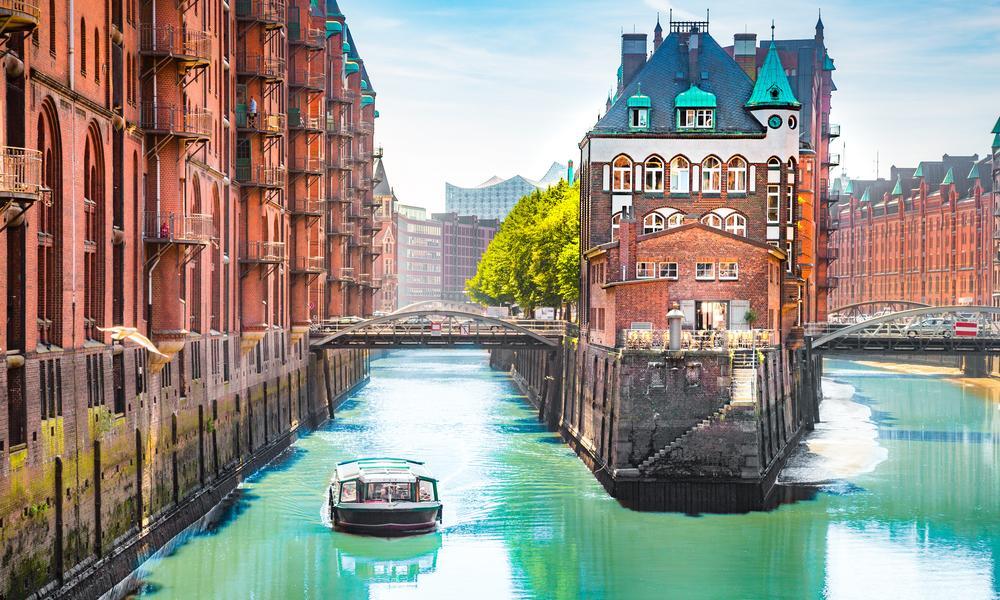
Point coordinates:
pixel 298 121
pixel 309 207
pixel 312 38
pixel 346 274
pixel 833 130
pixel 335 127
pixel 338 229
pixel 365 128
pixel 256 252
pixel 339 163
pixel 342 96
pixel 376 283
pixel 19 15
pixel 189 47
pixel 257 65
pixel 270 13
pixel 833 160
pixel 169 119
pixel 336 196
pixel 308 265
pixel 377 153
pixel 302 78
pixel 306 165
pixel 832 253
pixel 20 173
pixel 264 123
pixel 171 228
pixel 260 176
pixel 831 283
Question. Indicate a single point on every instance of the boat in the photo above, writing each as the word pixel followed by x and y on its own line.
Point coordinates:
pixel 384 496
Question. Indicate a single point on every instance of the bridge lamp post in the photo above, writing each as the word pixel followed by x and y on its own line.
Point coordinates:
pixel 674 319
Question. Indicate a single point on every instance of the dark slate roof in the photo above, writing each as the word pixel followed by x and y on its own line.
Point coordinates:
pixel 905 177
pixel 382 188
pixel 985 177
pixel 876 188
pixel 355 56
pixel 660 81
pixel 332 10
pixel 934 171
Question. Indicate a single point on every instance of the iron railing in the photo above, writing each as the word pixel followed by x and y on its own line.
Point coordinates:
pixel 723 340
pixel 260 176
pixel 306 36
pixel 303 78
pixel 833 159
pixel 20 171
pixel 365 128
pixel 309 264
pixel 176 120
pixel 168 227
pixel 297 120
pixel 305 164
pixel 28 8
pixel 175 41
pixel 263 252
pixel 258 65
pixel 265 11
pixel 347 274
pixel 308 206
pixel 261 122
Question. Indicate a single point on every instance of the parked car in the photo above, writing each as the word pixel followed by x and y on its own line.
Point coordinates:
pixel 413 325
pixel 932 327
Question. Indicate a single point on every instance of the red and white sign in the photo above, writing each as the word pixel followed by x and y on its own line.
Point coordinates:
pixel 966 329
pixel 436 328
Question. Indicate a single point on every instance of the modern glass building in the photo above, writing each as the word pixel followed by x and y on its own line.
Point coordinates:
pixel 494 198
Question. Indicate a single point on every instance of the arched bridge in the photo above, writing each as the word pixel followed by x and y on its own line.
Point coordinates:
pixel 862 311
pixel 436 329
pixel 934 329
pixel 431 305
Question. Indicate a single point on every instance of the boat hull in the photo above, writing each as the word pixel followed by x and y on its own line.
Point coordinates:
pixel 387 520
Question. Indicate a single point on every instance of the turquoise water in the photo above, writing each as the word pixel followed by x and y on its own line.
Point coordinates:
pixel 910 507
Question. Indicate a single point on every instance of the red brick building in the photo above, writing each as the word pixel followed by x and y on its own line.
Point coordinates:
pixel 200 171
pixel 924 235
pixel 697 189
pixel 386 275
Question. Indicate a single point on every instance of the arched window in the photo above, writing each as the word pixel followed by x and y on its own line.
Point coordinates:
pixel 654 174
pixel 93 238
pixel 711 175
pixel 680 176
pixel 616 221
pixel 622 180
pixel 736 224
pixel 653 222
pixel 773 170
pixel 736 175
pixel 712 220
pixel 49 268
pixel 675 220
pixel 83 47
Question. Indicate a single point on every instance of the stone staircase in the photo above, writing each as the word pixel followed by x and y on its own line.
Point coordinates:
pixel 703 424
pixel 741 387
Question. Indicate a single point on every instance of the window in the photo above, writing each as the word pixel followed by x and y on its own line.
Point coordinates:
pixel 349 491
pixel 790 201
pixel 652 223
pixel 654 174
pixel 736 175
pixel 425 491
pixel 680 175
pixel 622 175
pixel 712 220
pixel 704 271
pixel 729 271
pixel 773 170
pixel 675 220
pixel 52 27
pixel 645 270
pixel 388 492
pixel 789 249
pixel 711 175
pixel 616 221
pixel 696 118
pixel 668 270
pixel 773 201
pixel 639 118
pixel 83 47
pixel 736 224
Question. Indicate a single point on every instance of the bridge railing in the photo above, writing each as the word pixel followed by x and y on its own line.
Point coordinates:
pixel 449 326
pixel 659 339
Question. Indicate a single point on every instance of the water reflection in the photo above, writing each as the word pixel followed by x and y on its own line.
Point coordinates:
pixel 389 560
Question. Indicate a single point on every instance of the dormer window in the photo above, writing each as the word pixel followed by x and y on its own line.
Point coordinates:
pixel 638 110
pixel 695 109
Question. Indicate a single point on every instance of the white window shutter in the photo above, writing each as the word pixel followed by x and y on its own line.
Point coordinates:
pixel 738 314
pixel 687 307
pixel 753 178
pixel 607 178
pixel 638 178
pixel 695 178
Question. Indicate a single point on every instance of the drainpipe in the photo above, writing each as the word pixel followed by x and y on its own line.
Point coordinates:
pixel 72 47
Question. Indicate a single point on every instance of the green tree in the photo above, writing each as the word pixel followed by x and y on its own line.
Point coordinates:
pixel 534 260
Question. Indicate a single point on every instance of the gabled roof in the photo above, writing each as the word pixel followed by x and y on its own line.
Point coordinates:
pixel 665 76
pixel 772 87
pixel 332 10
pixel 897 190
pixel 996 128
pixel 949 177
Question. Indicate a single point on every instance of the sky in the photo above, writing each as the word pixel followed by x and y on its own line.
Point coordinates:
pixel 469 89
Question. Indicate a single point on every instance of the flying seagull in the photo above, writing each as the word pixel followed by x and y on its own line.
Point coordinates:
pixel 119 333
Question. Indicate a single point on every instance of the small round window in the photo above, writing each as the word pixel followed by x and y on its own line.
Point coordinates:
pixel 774 121
pixel 793 122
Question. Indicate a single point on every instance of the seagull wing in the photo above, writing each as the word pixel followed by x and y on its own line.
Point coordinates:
pixel 145 342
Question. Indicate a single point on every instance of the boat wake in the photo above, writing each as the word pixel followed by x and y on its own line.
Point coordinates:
pixel 843 445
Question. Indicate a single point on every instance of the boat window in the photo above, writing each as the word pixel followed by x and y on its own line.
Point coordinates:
pixel 349 491
pixel 387 492
pixel 426 491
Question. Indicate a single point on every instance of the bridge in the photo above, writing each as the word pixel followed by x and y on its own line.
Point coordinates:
pixel 436 328
pixel 862 311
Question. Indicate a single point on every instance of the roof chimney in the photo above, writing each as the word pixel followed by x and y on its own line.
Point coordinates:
pixel 694 74
pixel 745 53
pixel 633 56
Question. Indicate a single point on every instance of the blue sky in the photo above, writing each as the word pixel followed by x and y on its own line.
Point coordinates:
pixel 470 89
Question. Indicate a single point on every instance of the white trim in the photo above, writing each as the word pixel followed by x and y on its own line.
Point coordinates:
pixel 753 178
pixel 607 178
pixel 695 178
pixel 638 184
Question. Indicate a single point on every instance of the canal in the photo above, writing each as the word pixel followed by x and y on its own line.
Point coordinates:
pixel 908 504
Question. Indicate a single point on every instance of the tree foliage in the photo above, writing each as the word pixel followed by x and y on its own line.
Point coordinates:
pixel 534 260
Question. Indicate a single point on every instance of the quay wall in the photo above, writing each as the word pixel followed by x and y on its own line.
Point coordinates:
pixel 660 430
pixel 96 491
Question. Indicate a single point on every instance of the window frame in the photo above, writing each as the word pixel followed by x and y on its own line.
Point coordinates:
pixel 698 271
pixel 711 174
pixel 668 264
pixel 647 267
pixel 708 219
pixel 740 228
pixel 621 175
pixel 652 228
pixel 736 169
pixel 655 171
pixel 773 198
pixel 735 271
